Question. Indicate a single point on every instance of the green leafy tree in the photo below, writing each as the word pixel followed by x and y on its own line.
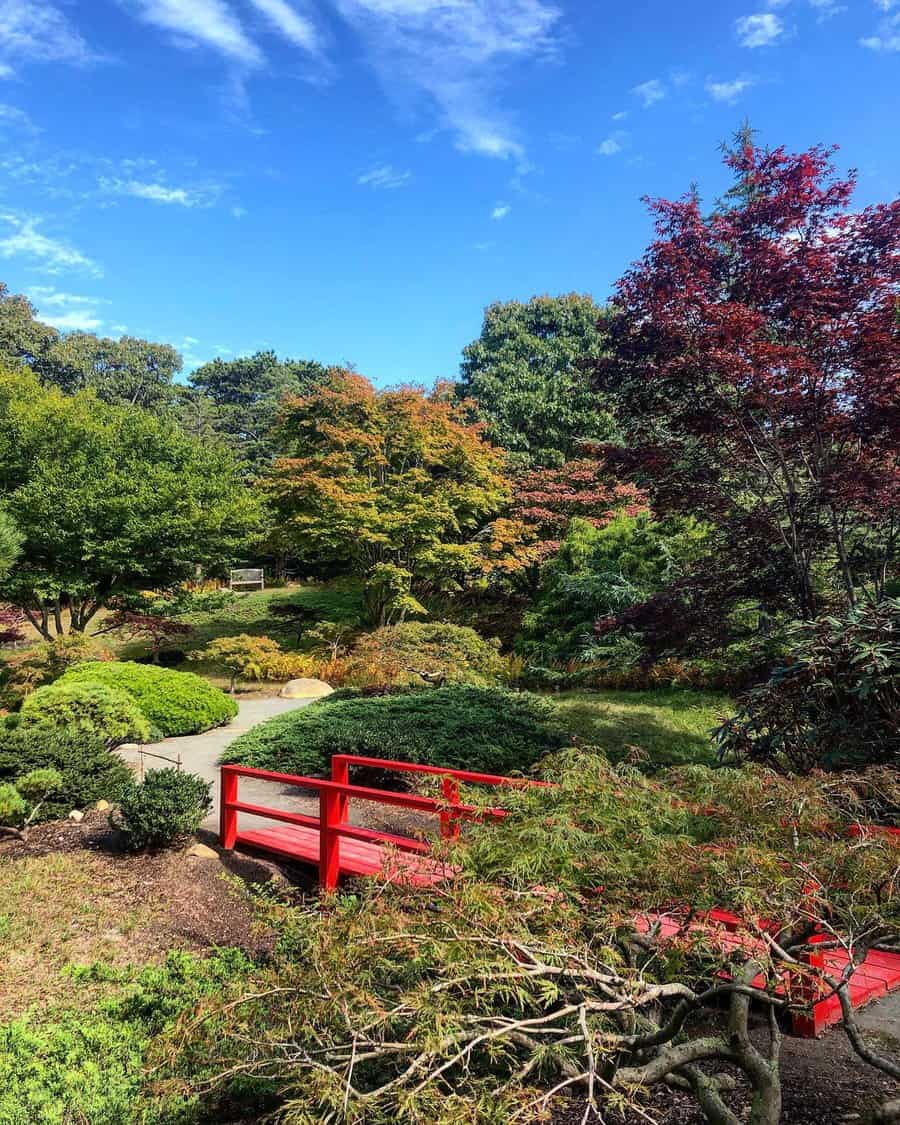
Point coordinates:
pixel 23 338
pixel 239 399
pixel 10 543
pixel 526 377
pixel 125 371
pixel 109 500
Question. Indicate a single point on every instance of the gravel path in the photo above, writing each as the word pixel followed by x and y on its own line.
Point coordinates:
pixel 200 754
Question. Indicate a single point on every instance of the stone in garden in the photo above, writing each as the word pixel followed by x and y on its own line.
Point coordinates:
pixel 102 806
pixel 305 689
pixel 77 815
pixel 201 851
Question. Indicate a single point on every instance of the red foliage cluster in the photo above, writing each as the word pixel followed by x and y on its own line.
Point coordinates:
pixel 159 631
pixel 546 499
pixel 11 622
pixel 756 351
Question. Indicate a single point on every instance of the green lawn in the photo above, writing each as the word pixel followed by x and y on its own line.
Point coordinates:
pixel 653 728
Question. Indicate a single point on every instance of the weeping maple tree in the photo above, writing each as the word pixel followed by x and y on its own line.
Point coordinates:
pixel 754 353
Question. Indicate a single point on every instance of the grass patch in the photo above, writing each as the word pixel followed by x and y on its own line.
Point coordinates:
pixel 652 728
pixel 57 909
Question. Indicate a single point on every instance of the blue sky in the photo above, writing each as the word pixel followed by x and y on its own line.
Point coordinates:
pixel 354 180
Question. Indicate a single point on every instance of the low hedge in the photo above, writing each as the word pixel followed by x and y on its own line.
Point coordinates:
pixel 89 708
pixel 174 702
pixel 463 727
pixel 89 771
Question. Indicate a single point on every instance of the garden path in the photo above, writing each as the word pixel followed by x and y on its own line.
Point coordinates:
pixel 200 754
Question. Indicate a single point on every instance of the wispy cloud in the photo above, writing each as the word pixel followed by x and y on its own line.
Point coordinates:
pixel 611 145
pixel 728 92
pixel 500 211
pixel 384 176
pixel 37 31
pixel 12 115
pixel 155 192
pixel 887 37
pixel 67 311
pixel 620 116
pixel 759 30
pixel 47 254
pixel 200 23
pixel 298 29
pixel 455 56
pixel 650 92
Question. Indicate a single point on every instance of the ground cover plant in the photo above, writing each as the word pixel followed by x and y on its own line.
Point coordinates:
pixel 485 729
pixel 175 703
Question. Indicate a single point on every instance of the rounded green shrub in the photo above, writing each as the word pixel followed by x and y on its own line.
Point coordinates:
pixel 13 807
pixel 463 727
pixel 89 772
pixel 167 806
pixel 88 708
pixel 400 654
pixel 174 702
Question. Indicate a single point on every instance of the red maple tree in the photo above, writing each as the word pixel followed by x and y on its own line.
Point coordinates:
pixel 545 500
pixel 11 622
pixel 755 356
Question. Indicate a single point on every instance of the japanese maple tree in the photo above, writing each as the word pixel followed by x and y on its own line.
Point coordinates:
pixel 545 500
pixel 755 356
pixel 394 479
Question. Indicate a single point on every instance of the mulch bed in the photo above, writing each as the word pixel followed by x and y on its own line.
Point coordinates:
pixel 198 908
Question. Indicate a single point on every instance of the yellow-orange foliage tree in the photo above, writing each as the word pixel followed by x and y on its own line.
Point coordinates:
pixel 395 483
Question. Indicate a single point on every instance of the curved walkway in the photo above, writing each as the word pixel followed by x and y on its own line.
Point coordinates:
pixel 200 753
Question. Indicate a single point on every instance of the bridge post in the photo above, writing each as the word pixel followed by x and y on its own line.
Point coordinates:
pixel 329 840
pixel 450 820
pixel 227 815
pixel 340 772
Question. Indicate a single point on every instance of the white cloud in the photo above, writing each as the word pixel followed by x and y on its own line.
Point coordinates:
pixel 728 92
pixel 37 31
pixel 238 212
pixel 206 23
pixel 759 30
pixel 299 30
pixel 888 37
pixel 6 71
pixel 454 54
pixel 827 9
pixel 47 254
pixel 384 176
pixel 620 116
pixel 155 192
pixel 650 92
pixel 500 211
pixel 611 145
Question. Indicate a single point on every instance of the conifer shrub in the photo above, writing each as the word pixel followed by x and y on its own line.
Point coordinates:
pixel 175 703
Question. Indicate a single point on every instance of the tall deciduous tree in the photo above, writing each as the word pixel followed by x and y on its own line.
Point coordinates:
pixel 380 479
pixel 526 375
pixel 755 352
pixel 108 499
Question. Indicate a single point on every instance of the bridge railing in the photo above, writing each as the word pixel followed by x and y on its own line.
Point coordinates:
pixel 334 800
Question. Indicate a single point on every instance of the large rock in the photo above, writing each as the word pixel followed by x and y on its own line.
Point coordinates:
pixel 305 689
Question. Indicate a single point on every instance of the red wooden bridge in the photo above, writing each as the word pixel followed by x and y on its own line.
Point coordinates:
pixel 337 847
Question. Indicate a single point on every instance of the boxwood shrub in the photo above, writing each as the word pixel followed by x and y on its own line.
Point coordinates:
pixel 174 702
pixel 463 727
pixel 89 771
pixel 89 708
pixel 166 807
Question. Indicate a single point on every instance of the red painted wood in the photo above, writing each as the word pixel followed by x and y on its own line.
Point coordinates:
pixel 227 813
pixel 878 974
pixel 329 840
pixel 449 822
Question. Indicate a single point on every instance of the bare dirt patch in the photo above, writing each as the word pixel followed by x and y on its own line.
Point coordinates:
pixel 68 895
